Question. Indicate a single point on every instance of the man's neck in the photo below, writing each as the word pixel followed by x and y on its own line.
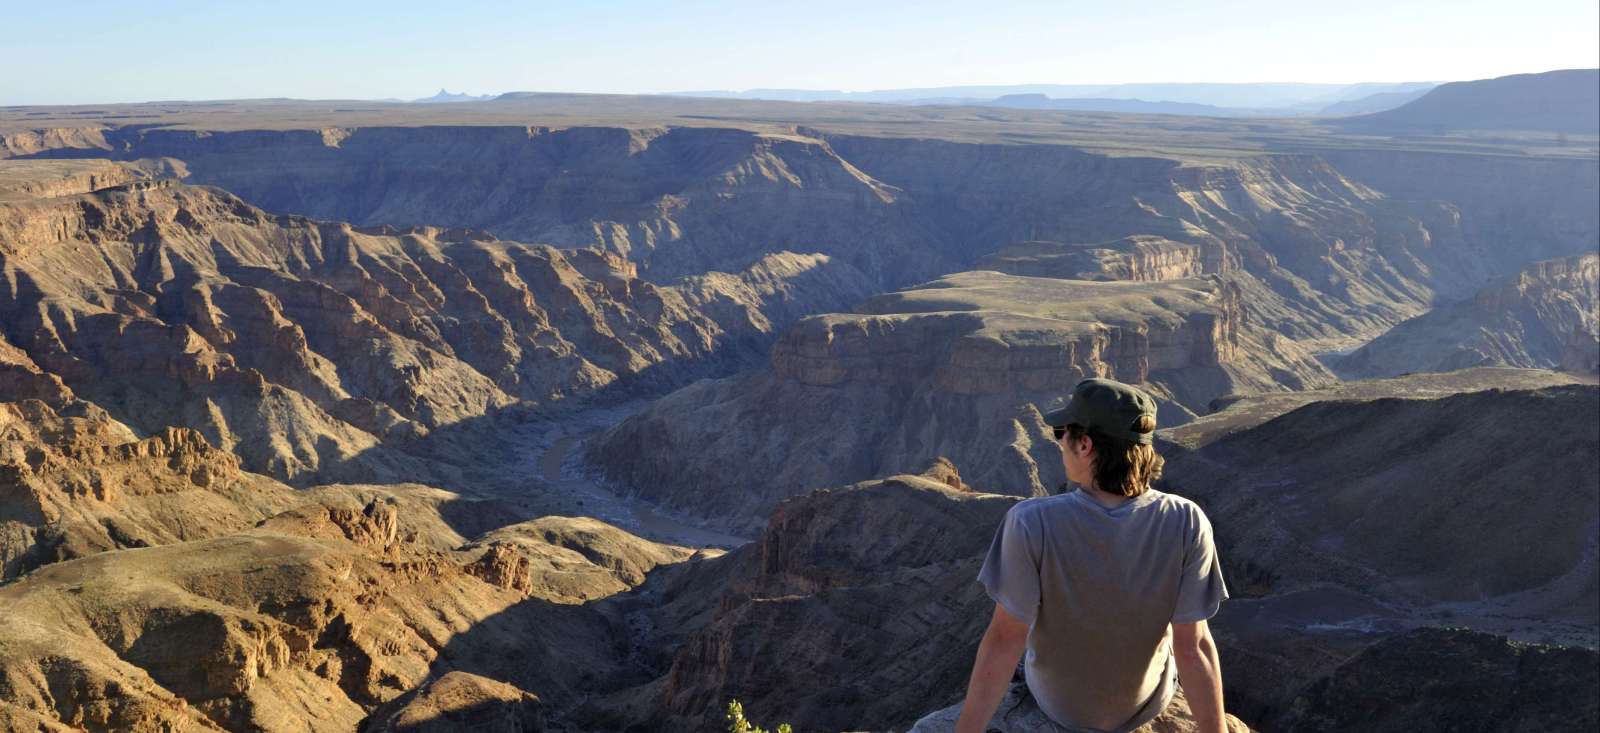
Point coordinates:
pixel 1104 498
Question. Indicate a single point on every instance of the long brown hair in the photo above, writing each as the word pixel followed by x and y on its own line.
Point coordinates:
pixel 1122 466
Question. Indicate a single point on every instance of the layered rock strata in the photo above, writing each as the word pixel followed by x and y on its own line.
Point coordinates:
pixel 1543 317
pixel 315 349
pixel 961 367
pixel 1345 241
pixel 1138 258
pixel 76 484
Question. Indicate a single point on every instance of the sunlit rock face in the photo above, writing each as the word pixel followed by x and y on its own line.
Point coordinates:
pixel 1345 241
pixel 306 346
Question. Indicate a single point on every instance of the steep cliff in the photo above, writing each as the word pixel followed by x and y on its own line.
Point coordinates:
pixel 1543 316
pixel 1138 258
pixel 1345 241
pixel 961 367
pixel 75 485
pixel 304 346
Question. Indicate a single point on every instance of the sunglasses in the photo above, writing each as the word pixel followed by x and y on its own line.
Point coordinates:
pixel 1060 431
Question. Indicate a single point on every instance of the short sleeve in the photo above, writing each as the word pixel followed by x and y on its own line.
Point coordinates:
pixel 1011 571
pixel 1201 590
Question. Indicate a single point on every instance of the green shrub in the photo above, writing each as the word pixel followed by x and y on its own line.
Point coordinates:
pixel 737 723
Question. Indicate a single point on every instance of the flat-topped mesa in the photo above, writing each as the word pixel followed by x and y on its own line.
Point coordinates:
pixel 960 367
pixel 51 178
pixel 1139 258
pixel 986 333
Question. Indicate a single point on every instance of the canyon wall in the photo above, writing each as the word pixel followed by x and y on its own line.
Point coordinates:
pixel 304 346
pixel 886 569
pixel 962 367
pixel 1542 317
pixel 1345 242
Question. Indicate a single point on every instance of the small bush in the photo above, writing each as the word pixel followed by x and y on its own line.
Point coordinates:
pixel 737 723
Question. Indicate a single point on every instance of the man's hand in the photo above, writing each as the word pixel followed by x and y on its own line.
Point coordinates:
pixel 1200 673
pixel 998 653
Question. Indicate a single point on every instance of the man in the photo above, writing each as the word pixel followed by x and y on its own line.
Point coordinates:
pixel 1107 588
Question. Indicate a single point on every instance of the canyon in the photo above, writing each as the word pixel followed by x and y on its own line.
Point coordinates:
pixel 560 412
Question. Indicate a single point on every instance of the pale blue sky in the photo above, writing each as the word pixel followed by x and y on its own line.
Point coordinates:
pixel 94 51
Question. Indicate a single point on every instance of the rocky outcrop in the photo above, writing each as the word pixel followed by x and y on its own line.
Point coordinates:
pixel 1016 715
pixel 1138 258
pixel 1304 496
pixel 76 484
pixel 305 347
pixel 1322 587
pixel 883 568
pixel 51 178
pixel 1421 556
pixel 567 559
pixel 1454 680
pixel 340 610
pixel 16 143
pixel 961 367
pixel 1542 317
pixel 680 201
pixel 461 701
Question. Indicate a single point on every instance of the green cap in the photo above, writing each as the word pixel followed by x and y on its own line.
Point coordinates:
pixel 1108 407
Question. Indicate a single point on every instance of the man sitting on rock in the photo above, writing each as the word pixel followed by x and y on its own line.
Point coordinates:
pixel 1107 588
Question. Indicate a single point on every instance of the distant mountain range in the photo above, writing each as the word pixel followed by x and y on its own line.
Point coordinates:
pixel 1372 103
pixel 1566 101
pixel 1219 100
pixel 445 96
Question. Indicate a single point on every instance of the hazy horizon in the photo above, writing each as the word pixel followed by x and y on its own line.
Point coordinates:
pixel 187 50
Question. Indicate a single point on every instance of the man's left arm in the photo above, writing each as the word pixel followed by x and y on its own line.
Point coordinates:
pixel 998 654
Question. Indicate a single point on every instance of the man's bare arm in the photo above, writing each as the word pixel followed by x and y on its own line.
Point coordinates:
pixel 998 653
pixel 1200 673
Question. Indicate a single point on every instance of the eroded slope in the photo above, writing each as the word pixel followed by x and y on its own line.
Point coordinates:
pixel 1542 317
pixel 961 367
pixel 315 349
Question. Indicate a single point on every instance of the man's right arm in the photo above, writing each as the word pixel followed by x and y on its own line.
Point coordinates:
pixel 1200 673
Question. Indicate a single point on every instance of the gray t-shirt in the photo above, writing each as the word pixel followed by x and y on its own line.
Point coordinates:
pixel 1099 589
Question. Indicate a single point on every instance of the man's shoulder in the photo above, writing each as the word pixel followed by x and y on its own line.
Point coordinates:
pixel 1192 517
pixel 1034 506
pixel 1175 503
